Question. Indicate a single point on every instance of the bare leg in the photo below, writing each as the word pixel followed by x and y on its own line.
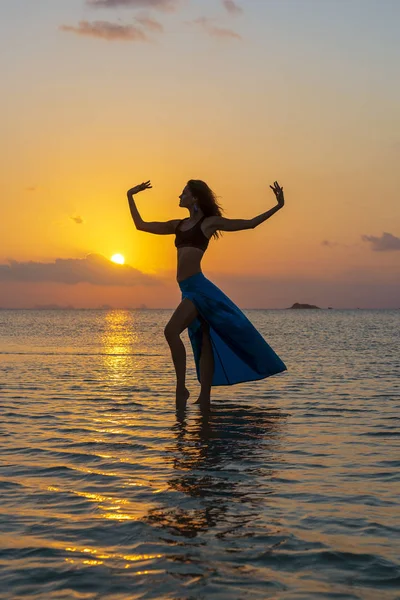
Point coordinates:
pixel 178 353
pixel 206 368
pixel 182 317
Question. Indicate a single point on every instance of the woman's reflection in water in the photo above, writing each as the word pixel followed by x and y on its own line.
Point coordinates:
pixel 223 462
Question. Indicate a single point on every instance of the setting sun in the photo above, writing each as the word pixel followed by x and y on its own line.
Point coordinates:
pixel 118 258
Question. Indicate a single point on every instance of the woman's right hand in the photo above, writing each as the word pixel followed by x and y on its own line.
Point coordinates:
pixel 140 188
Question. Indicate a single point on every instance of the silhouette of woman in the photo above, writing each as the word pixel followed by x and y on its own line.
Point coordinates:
pixel 227 348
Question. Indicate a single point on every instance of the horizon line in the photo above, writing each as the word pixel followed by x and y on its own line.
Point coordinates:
pixel 109 308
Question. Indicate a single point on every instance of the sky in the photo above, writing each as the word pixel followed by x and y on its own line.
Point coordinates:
pixel 100 95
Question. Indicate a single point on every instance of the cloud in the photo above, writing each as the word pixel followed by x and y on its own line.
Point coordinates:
pixel 165 5
pixel 150 24
pixel 386 243
pixel 107 31
pixel 232 7
pixel 364 286
pixel 329 244
pixel 94 269
pixel 221 32
pixel 31 188
pixel 78 220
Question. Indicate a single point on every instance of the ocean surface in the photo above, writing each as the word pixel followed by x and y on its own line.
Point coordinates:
pixel 289 489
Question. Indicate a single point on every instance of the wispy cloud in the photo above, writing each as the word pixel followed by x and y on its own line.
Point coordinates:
pixel 31 188
pixel 232 7
pixel 78 220
pixel 165 5
pixel 150 24
pixel 208 26
pixel 386 243
pixel 107 31
pixel 329 244
pixel 94 269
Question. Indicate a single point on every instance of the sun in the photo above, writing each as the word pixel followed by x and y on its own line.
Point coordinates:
pixel 118 258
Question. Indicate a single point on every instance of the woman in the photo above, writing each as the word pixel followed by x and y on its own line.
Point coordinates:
pixel 227 348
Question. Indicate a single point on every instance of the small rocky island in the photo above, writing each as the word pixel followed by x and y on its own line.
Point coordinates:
pixel 298 305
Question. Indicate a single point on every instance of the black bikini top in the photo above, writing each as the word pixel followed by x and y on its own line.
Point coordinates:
pixel 191 237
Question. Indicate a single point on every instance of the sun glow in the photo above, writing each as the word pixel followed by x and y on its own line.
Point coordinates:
pixel 118 258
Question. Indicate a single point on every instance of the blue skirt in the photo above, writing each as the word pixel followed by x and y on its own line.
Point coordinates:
pixel 240 352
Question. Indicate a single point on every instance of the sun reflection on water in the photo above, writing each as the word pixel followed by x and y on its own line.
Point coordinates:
pixel 117 509
pixel 98 556
pixel 118 341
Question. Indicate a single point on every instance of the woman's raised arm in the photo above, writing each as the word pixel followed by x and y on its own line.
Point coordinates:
pixel 160 228
pixel 224 224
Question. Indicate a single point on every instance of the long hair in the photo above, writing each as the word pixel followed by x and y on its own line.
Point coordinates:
pixel 206 199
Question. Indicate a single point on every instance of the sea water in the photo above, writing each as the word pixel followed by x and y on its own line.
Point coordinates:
pixel 288 489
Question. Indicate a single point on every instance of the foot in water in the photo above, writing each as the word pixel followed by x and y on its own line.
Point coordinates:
pixel 181 397
pixel 204 400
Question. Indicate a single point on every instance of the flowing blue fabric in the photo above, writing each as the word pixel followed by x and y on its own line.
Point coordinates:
pixel 240 352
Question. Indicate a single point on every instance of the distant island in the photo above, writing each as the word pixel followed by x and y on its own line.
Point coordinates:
pixel 298 305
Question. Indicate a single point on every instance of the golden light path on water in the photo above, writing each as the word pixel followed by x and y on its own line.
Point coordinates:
pixel 118 343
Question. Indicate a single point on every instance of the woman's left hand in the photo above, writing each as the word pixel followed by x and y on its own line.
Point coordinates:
pixel 278 191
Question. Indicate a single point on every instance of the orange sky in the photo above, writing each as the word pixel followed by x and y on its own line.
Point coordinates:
pixel 302 93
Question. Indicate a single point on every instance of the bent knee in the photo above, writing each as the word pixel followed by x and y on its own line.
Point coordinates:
pixel 170 332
